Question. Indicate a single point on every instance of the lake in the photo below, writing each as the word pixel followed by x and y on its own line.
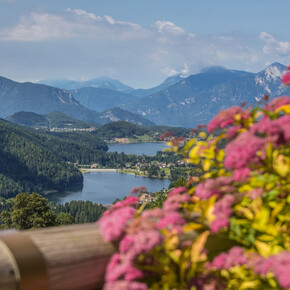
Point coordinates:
pixel 105 187
pixel 137 148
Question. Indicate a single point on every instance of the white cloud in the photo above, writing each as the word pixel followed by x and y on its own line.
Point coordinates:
pixel 81 12
pixel 86 45
pixel 74 23
pixel 167 26
pixel 273 46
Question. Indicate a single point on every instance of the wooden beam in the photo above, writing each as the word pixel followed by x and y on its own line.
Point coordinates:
pixel 75 256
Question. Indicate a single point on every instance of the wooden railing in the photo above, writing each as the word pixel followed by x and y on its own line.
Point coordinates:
pixel 57 258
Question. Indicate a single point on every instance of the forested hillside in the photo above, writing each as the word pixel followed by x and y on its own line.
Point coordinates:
pixel 49 121
pixel 121 129
pixel 27 165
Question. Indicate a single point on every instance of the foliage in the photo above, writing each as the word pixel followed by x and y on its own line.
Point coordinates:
pixel 159 198
pixel 121 129
pixel 28 211
pixel 153 170
pixel 28 163
pixel 229 227
pixel 81 211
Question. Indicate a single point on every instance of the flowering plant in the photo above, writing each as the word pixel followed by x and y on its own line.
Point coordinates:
pixel 229 227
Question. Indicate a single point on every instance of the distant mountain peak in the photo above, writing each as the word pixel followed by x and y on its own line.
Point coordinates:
pixel 100 82
pixel 173 79
pixel 214 68
pixel 273 72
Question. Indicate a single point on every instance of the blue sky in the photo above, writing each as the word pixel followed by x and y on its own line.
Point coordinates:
pixel 140 42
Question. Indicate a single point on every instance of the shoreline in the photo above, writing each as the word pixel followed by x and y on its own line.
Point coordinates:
pixel 84 170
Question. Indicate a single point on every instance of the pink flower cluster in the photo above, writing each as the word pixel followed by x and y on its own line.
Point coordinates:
pixel 129 201
pixel 138 236
pixel 243 150
pixel 226 118
pixel 172 221
pixel 222 211
pixel 113 221
pixel 275 131
pixel 177 197
pixel 286 77
pixel 121 266
pixel 234 257
pixel 215 186
pixel 113 225
pixel 277 102
pixel 140 243
pixel 278 264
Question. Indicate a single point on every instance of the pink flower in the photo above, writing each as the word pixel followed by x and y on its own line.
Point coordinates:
pixel 255 193
pixel 129 201
pixel 171 221
pixel 222 211
pixel 132 274
pixel 277 102
pixel 286 79
pixel 284 123
pixel 173 202
pixel 219 261
pixel 215 186
pixel 113 225
pixel 226 117
pixel 178 190
pixel 223 206
pixel 122 267
pixel 234 257
pixel 218 224
pixel 140 243
pixel 279 265
pixel 241 174
pixel 243 151
pixel 232 132
pixel 156 213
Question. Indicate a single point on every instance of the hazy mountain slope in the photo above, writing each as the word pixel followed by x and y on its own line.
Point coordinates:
pixel 99 99
pixel 170 81
pixel 52 120
pixel 199 97
pixel 117 114
pixel 42 99
pixel 102 82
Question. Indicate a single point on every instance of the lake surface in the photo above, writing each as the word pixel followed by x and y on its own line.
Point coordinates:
pixel 105 187
pixel 137 148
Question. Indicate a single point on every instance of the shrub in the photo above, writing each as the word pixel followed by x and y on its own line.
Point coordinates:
pixel 229 227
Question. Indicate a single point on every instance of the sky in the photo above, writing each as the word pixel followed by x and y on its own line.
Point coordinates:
pixel 139 42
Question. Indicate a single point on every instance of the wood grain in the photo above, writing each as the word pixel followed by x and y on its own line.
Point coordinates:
pixel 76 257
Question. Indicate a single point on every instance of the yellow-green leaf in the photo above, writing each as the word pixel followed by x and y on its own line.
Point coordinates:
pixel 198 246
pixel 202 135
pixel 285 109
pixel 263 248
pixel 206 165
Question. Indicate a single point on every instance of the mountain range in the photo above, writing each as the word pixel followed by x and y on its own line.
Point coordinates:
pixel 52 120
pixel 102 82
pixel 42 99
pixel 178 101
pixel 198 98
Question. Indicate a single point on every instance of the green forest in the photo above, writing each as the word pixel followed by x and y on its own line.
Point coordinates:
pixel 31 210
pixel 33 160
